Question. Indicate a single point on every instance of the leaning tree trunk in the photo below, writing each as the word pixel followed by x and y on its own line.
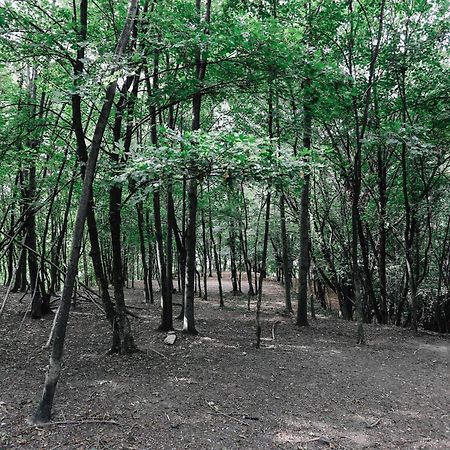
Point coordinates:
pixel 262 274
pixel 82 152
pixel 43 411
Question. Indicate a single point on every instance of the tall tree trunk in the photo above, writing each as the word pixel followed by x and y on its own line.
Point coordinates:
pixel 286 256
pixel 191 228
pixel 189 320
pixel 262 274
pixel 232 240
pixel 410 218
pixel 56 250
pixel 166 303
pixel 245 251
pixel 82 152
pixel 205 258
pixel 125 343
pixel 29 199
pixel 370 292
pixel 43 411
pixel 302 311
pixel 382 194
pixel 142 247
pixel 215 253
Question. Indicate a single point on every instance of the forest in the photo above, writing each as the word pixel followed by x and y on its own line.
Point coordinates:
pixel 224 224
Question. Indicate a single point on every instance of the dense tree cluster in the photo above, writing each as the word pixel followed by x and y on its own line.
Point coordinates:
pixel 174 141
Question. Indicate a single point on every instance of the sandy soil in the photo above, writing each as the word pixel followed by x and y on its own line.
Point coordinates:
pixel 309 388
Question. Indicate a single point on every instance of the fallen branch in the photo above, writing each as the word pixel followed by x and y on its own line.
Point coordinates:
pixel 217 410
pixel 90 299
pixel 158 353
pixel 374 424
pixel 321 439
pixel 82 422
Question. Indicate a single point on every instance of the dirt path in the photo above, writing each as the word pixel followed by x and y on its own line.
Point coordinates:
pixel 309 388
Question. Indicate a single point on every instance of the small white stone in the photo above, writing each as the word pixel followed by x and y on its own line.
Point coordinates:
pixel 170 339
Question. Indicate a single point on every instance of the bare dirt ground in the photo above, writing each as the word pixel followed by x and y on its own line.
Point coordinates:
pixel 310 388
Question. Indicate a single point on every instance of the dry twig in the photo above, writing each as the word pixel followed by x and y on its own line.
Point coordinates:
pixel 374 424
pixel 82 422
pixel 217 410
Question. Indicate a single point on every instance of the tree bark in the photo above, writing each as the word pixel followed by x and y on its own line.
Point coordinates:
pixel 262 274
pixel 286 257
pixel 43 411
pixel 191 228
pixel 302 311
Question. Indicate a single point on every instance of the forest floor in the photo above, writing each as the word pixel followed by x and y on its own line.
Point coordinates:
pixel 310 388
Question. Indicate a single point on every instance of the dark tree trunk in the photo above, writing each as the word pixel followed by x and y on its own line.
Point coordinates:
pixel 10 264
pixel 191 228
pixel 205 258
pixel 368 276
pixel 96 256
pixel 169 251
pixel 20 283
pixel 189 321
pixel 166 303
pixel 245 252
pixel 382 193
pixel 215 253
pixel 43 411
pixel 302 311
pixel 56 250
pixel 125 342
pixel 29 190
pixel 286 257
pixel 142 247
pixel 262 274
pixel 232 244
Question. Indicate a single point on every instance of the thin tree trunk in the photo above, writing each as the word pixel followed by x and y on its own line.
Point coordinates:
pixel 43 411
pixel 205 258
pixel 244 240
pixel 82 151
pixel 191 228
pixel 302 311
pixel 125 343
pixel 262 274
pixel 142 247
pixel 286 257
pixel 215 253
pixel 232 243
pixel 189 320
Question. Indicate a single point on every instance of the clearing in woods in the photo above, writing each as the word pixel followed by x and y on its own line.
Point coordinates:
pixel 308 388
